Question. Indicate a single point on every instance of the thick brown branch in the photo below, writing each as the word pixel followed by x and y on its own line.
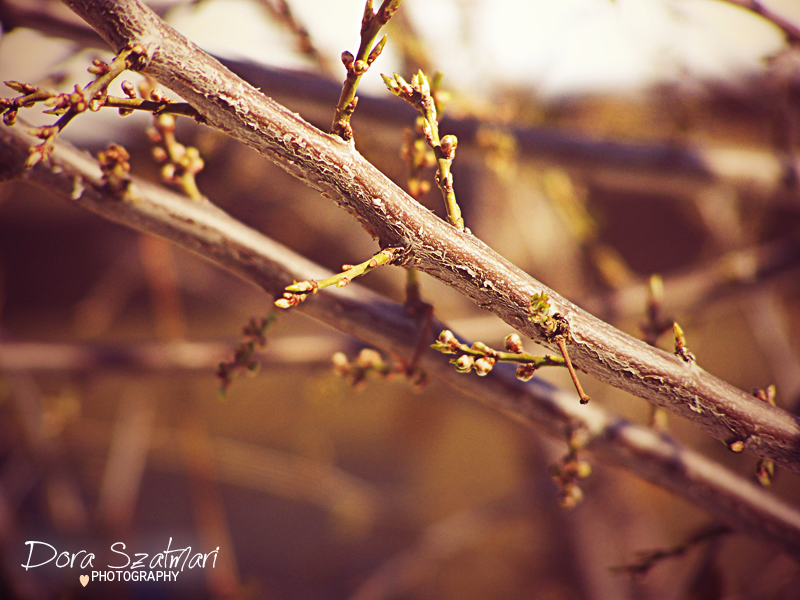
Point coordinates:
pixel 340 173
pixel 386 325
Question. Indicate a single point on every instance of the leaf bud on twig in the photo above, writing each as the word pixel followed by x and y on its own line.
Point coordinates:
pixel 464 363
pixel 348 59
pixel 128 89
pixel 449 144
pixel 513 343
pixel 484 365
pixel 525 371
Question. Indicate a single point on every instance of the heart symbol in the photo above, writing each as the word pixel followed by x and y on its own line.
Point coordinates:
pixel 84 580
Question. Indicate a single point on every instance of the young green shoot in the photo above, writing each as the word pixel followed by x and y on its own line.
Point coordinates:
pixel 300 290
pixel 418 94
pixel 681 349
pixel 356 66
pixel 93 97
pixel 481 358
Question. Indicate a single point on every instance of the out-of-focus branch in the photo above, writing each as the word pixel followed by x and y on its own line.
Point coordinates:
pixel 461 261
pixel 150 357
pixel 454 534
pixel 281 12
pixel 732 272
pixel 255 468
pixel 789 29
pixel 386 325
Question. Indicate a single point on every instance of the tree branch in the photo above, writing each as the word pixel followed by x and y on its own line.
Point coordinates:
pixel 216 236
pixel 789 29
pixel 458 259
pixel 655 168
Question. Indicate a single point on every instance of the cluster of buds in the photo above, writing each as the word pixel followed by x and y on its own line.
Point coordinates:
pixel 482 365
pixel 296 293
pixel 116 169
pixel 569 470
pixel 75 100
pixel 99 67
pixel 481 358
pixel 417 150
pixel 244 357
pixel 417 94
pixel 359 67
pixel 370 361
pixel 68 105
pixel 539 313
pixel 367 361
pixel 356 66
pixel 555 328
pixel 30 95
pixel 180 164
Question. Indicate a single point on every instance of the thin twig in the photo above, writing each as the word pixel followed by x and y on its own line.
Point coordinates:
pixel 419 95
pixel 356 66
pixel 300 290
pixel 650 558
pixel 282 12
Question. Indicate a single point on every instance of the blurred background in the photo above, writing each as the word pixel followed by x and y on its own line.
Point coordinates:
pixel 600 143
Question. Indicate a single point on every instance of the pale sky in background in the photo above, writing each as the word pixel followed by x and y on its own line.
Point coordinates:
pixel 555 47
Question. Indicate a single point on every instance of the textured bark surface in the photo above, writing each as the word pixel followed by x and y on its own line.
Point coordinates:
pixel 460 260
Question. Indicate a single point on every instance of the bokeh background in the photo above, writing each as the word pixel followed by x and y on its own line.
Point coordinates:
pixel 601 142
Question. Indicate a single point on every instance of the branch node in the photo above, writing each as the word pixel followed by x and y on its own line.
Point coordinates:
pixel 555 328
pixel 116 170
